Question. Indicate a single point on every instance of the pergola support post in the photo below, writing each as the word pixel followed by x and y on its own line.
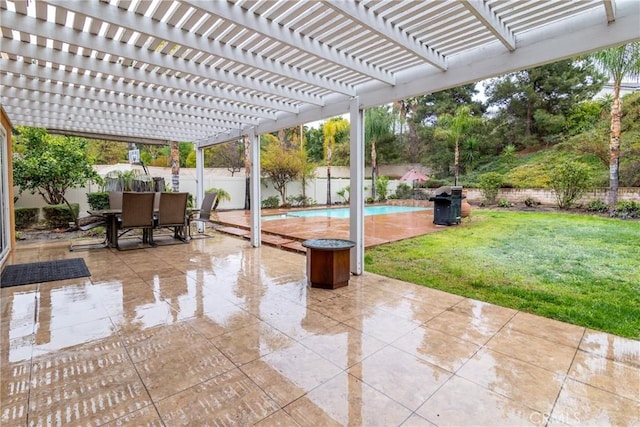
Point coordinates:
pixel 254 145
pixel 199 182
pixel 356 193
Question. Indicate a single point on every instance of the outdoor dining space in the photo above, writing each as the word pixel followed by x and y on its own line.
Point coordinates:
pixel 163 329
pixel 144 212
pixel 218 332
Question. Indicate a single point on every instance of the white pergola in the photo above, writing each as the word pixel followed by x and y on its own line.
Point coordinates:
pixel 155 71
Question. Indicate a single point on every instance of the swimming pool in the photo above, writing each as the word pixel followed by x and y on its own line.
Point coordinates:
pixel 344 212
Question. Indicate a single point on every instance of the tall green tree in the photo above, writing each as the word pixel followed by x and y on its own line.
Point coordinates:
pixel 281 163
pixel 308 171
pixel 423 114
pixel 618 63
pixel 331 129
pixel 630 141
pixel 229 155
pixel 430 107
pixel 378 124
pixel 50 165
pixel 533 104
pixel 107 152
pixel 314 142
pixel 456 129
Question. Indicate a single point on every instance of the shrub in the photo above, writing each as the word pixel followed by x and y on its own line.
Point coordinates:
pixel 58 216
pixel 532 175
pixel 98 200
pixel 222 196
pixel 369 200
pixel 504 203
pixel 626 209
pixel 404 191
pixel 569 181
pixel 489 184
pixel 26 217
pixel 300 200
pixel 597 206
pixel 530 201
pixel 435 183
pixel 344 193
pixel 382 187
pixel 271 202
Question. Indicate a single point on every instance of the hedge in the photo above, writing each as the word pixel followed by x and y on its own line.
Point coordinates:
pixel 58 216
pixel 26 217
pixel 98 200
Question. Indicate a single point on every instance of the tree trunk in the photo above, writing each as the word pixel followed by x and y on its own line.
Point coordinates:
pixel 373 169
pixel 247 193
pixel 73 214
pixel 329 184
pixel 175 167
pixel 247 173
pixel 614 145
pixel 456 162
pixel 304 168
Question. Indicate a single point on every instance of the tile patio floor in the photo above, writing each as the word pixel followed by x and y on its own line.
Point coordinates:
pixel 215 332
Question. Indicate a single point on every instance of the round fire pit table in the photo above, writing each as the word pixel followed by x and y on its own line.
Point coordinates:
pixel 328 262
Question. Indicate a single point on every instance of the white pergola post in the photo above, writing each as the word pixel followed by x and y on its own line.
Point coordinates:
pixel 254 142
pixel 356 193
pixel 199 182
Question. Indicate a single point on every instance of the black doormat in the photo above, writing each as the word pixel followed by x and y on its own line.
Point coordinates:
pixel 48 271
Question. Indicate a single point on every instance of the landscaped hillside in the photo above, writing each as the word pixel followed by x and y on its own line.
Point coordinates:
pixel 532 167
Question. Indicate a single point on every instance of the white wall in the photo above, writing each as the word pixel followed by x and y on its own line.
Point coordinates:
pixel 220 178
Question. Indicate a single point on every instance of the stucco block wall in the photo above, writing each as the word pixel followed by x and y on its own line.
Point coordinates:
pixel 547 197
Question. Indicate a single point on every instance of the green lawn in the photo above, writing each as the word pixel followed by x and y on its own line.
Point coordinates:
pixel 576 268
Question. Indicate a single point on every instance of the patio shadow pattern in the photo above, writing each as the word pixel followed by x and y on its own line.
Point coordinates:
pixel 217 332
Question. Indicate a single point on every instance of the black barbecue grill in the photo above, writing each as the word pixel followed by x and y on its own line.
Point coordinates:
pixel 447 202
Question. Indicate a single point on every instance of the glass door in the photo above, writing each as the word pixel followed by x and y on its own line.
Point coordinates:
pixel 5 232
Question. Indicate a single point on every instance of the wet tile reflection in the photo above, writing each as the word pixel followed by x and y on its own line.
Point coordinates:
pixel 217 332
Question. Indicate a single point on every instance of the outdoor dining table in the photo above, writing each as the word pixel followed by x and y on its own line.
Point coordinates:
pixel 111 220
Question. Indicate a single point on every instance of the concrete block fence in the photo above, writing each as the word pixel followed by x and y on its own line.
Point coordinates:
pixel 546 196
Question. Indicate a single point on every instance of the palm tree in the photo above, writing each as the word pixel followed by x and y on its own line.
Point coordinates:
pixel 330 129
pixel 454 128
pixel 377 125
pixel 619 63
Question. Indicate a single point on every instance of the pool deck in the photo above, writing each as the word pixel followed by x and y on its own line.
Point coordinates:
pixel 289 233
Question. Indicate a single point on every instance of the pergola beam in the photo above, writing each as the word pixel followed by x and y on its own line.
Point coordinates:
pixel 48 30
pixel 155 85
pixel 151 28
pixel 367 19
pixel 481 11
pixel 66 118
pixel 610 9
pixel 102 101
pixel 535 48
pixel 268 29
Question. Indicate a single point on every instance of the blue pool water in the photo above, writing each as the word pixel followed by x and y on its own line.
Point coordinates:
pixel 344 212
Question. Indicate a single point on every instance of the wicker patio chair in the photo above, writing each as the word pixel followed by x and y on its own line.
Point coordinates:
pixel 204 213
pixel 137 213
pixel 172 214
pixel 115 200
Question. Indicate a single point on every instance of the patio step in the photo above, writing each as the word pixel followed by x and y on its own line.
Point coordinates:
pixel 271 239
